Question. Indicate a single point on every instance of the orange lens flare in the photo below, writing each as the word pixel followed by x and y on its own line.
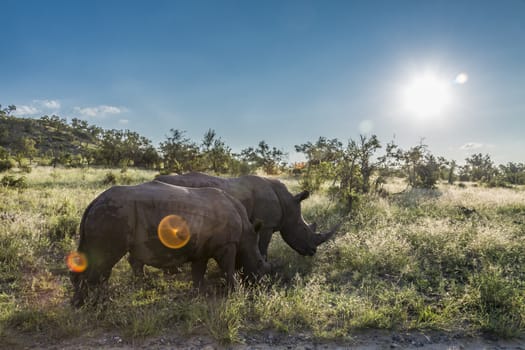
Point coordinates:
pixel 173 232
pixel 76 262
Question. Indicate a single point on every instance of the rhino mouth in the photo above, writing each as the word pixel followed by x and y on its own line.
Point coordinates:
pixel 310 251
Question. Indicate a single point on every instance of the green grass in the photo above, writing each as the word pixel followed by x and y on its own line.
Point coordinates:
pixel 413 260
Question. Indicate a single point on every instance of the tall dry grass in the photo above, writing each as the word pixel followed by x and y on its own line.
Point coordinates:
pixel 450 259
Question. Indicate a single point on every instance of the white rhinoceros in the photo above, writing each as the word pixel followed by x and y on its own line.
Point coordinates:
pixel 267 200
pixel 126 218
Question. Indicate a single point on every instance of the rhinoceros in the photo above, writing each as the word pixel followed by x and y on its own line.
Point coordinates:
pixel 267 200
pixel 125 219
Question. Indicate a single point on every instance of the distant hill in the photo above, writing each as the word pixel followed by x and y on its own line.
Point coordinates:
pixel 52 140
pixel 50 134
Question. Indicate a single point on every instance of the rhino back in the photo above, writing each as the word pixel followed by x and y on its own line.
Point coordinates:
pixel 193 179
pixel 255 193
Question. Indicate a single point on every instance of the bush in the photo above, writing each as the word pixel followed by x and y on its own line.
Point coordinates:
pixel 498 302
pixel 6 164
pixel 109 179
pixel 26 169
pixel 125 178
pixel 63 226
pixel 11 181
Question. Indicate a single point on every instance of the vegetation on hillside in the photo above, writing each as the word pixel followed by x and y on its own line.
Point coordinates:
pixel 357 168
pixel 51 140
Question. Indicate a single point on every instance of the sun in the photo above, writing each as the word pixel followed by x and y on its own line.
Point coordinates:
pixel 426 96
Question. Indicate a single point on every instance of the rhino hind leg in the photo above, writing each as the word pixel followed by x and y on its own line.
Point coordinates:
pixel 137 266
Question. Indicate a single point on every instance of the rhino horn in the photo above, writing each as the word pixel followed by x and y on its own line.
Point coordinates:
pixel 325 236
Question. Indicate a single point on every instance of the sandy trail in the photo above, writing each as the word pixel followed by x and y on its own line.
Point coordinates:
pixel 364 340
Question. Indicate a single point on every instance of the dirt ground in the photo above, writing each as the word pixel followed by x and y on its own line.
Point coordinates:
pixel 364 340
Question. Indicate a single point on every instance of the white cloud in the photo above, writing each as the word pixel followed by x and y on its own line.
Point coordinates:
pixel 110 110
pixel 50 104
pixel 471 145
pixel 26 110
pixel 98 111
pixel 123 121
pixel 88 111
pixel 38 107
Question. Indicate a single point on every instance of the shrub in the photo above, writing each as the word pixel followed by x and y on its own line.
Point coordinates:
pixel 498 302
pixel 10 252
pixel 63 226
pixel 6 164
pixel 26 169
pixel 11 181
pixel 125 179
pixel 109 178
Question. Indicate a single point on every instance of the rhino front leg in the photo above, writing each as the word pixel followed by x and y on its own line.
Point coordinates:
pixel 265 235
pixel 198 268
pixel 226 260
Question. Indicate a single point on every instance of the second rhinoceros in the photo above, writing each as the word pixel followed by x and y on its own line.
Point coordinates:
pixel 267 200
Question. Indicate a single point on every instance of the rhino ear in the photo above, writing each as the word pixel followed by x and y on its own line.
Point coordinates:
pixel 301 196
pixel 257 225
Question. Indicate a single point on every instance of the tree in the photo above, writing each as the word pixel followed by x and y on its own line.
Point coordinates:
pixel 79 124
pixel 216 155
pixel 355 169
pixel 95 131
pixel 451 176
pixel 149 157
pixel 6 112
pixel 111 149
pixel 54 122
pixel 126 148
pixel 179 153
pixel 364 150
pixel 480 168
pixel 350 169
pixel 322 158
pixel 269 159
pixel 24 148
pixel 421 168
pixel 513 173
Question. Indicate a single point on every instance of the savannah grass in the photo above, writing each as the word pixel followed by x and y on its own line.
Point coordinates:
pixel 451 259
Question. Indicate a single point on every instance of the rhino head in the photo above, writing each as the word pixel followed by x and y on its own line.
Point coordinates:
pixel 295 231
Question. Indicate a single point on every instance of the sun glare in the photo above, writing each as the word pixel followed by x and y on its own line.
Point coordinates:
pixel 461 78
pixel 76 262
pixel 173 231
pixel 426 96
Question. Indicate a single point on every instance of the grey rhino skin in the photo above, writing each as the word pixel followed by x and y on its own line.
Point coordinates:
pixel 267 200
pixel 125 219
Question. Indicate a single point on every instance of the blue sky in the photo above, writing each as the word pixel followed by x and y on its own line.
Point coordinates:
pixel 285 72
